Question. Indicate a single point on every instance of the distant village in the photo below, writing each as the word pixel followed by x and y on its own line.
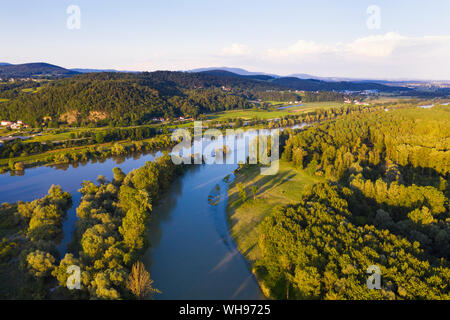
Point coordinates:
pixel 357 102
pixel 19 79
pixel 13 125
pixel 167 119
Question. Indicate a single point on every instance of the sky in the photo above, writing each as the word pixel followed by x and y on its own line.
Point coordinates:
pixel 379 39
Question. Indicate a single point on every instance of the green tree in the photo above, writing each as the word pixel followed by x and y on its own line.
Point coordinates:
pixel 119 176
pixel 242 192
pixel 99 137
pixel 40 263
pixel 254 191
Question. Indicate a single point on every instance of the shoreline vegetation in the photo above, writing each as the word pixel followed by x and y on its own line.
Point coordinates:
pixel 262 195
pixel 68 146
pixel 78 155
pixel 363 186
pixel 365 194
pixel 108 244
pixel 30 232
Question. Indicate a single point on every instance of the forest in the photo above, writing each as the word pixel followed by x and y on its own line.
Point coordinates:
pixel 111 232
pixel 109 241
pixel 119 100
pixel 123 99
pixel 386 203
pixel 18 148
pixel 30 233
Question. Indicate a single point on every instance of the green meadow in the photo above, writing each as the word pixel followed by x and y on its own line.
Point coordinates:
pixel 281 189
pixel 271 114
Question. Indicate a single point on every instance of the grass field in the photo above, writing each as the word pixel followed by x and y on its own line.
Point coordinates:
pixel 66 134
pixel 30 90
pixel 268 114
pixel 390 99
pixel 281 189
pixel 41 158
pixel 4 131
pixel 48 136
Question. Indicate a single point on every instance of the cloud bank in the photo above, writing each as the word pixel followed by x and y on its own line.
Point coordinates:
pixel 389 55
pixel 377 46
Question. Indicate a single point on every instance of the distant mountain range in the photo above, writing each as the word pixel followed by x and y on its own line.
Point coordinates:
pixel 101 70
pixel 238 71
pixel 244 72
pixel 309 76
pixel 294 82
pixel 34 70
pixel 226 73
pixel 8 70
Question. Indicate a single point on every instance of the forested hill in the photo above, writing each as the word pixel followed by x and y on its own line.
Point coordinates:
pixel 125 98
pixel 33 70
pixel 316 85
pixel 130 98
pixel 386 204
pixel 293 83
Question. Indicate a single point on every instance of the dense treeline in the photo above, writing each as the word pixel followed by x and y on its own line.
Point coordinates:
pixel 28 254
pixel 418 213
pixel 110 233
pixel 94 152
pixel 321 96
pixel 291 96
pixel 398 161
pixel 11 90
pixel 415 139
pixel 109 240
pixel 90 137
pixel 318 85
pixel 272 95
pixel 390 208
pixel 313 250
pixel 123 99
pixel 18 147
pixel 290 120
pixel 207 100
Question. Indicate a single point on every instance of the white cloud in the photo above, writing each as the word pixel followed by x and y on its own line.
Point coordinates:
pixel 378 46
pixel 236 49
pixel 375 46
pixel 301 47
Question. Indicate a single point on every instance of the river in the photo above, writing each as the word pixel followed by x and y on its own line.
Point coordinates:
pixel 192 255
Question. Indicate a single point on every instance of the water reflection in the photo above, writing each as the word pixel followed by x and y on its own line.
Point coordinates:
pixel 191 254
pixel 34 183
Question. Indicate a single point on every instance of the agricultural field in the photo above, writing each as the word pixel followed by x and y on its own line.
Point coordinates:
pixel 32 90
pixel 272 191
pixel 270 114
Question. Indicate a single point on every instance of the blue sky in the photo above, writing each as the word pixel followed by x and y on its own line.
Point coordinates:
pixel 321 37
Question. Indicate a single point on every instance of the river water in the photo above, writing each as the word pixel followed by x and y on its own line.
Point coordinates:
pixel 192 255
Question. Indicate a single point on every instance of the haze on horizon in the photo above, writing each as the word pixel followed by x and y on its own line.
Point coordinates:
pixel 408 39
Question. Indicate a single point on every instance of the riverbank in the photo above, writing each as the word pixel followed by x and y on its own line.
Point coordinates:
pixel 244 217
pixel 85 153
